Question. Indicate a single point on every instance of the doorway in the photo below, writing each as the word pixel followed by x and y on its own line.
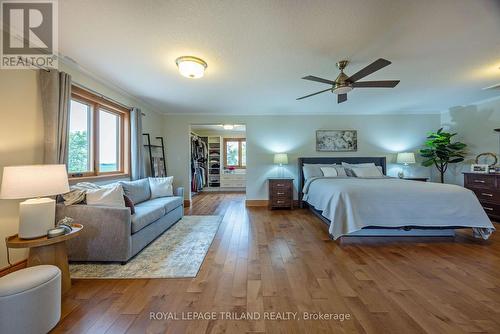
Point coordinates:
pixel 218 158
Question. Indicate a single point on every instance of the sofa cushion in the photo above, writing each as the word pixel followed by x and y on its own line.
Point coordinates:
pixel 138 191
pixel 145 214
pixel 169 203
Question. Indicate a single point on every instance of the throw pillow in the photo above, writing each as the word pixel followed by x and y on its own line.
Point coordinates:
pixel 329 171
pixel 161 186
pixel 138 191
pixel 106 197
pixel 129 204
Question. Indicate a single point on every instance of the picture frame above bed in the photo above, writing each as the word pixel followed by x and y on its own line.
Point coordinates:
pixel 336 140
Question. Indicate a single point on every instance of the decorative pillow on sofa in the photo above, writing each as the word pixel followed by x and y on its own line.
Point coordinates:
pixel 129 204
pixel 138 191
pixel 161 186
pixel 110 196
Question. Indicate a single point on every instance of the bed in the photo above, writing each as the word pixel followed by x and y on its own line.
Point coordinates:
pixel 384 206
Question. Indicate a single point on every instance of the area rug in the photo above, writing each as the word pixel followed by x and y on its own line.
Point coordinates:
pixel 177 253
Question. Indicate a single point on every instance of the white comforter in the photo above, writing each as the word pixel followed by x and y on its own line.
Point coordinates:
pixel 354 203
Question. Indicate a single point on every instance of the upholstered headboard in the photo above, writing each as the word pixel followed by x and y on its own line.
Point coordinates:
pixel 378 161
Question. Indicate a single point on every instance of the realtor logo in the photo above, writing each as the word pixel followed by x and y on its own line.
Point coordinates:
pixel 29 34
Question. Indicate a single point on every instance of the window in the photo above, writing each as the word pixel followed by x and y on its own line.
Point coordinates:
pixel 235 152
pixel 98 136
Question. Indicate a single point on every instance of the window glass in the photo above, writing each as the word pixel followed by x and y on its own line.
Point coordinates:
pixel 243 153
pixel 232 158
pixel 109 141
pixel 79 148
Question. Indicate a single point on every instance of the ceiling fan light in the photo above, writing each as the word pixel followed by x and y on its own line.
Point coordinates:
pixel 342 90
pixel 191 67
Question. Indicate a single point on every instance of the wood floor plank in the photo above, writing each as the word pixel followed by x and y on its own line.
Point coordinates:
pixel 273 262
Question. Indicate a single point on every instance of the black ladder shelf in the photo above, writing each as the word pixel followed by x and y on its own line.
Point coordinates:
pixel 149 146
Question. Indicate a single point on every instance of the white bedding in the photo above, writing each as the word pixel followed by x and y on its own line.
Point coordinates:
pixel 352 203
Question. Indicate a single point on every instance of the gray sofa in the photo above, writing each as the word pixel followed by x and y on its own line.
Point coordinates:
pixel 114 235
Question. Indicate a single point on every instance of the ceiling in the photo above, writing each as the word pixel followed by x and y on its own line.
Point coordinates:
pixel 444 52
pixel 217 128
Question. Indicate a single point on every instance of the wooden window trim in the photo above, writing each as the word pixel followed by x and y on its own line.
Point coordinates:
pixel 239 140
pixel 98 103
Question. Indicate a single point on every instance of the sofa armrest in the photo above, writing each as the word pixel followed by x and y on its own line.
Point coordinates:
pixel 106 234
pixel 179 192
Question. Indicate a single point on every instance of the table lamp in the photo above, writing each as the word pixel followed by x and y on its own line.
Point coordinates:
pixel 405 158
pixel 37 213
pixel 281 159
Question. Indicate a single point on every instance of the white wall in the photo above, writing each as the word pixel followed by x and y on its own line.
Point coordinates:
pixel 21 141
pixel 474 125
pixel 21 132
pixel 381 135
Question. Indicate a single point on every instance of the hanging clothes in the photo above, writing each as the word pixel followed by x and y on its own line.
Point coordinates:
pixel 199 155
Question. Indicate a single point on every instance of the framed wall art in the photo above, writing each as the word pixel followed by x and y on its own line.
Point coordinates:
pixel 336 140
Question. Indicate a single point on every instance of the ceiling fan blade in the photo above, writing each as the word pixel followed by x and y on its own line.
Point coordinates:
pixel 497 86
pixel 341 98
pixel 317 79
pixel 375 84
pixel 303 97
pixel 373 67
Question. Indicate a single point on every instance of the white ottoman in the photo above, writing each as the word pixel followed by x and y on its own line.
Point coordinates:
pixel 30 300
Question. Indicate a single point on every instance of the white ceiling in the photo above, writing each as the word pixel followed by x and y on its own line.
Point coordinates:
pixel 444 52
pixel 217 128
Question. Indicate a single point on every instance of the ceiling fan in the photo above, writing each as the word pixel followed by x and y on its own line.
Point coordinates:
pixel 497 86
pixel 344 84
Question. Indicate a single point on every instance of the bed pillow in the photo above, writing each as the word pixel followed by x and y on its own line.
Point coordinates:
pixel 348 167
pixel 371 171
pixel 329 171
pixel 161 186
pixel 314 170
pixel 112 196
pixel 366 164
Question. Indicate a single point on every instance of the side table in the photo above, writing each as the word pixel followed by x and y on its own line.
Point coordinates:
pixel 48 251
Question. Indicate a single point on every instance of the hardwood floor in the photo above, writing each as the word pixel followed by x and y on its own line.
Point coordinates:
pixel 283 261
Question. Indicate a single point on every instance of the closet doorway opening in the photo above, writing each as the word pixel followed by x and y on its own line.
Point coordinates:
pixel 218 158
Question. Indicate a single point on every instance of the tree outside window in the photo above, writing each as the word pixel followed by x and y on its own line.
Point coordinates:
pixel 235 152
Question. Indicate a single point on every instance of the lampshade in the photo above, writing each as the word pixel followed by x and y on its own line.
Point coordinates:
pixel 281 158
pixel 406 158
pixel 20 182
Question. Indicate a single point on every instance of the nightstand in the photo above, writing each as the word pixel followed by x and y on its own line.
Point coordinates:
pixel 280 193
pixel 423 179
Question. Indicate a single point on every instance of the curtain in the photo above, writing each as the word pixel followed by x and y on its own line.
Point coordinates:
pixel 55 88
pixel 137 152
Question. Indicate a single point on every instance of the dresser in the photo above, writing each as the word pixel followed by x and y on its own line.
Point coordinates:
pixel 233 180
pixel 487 189
pixel 280 193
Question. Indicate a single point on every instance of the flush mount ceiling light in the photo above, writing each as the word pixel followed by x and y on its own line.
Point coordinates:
pixel 228 126
pixel 191 67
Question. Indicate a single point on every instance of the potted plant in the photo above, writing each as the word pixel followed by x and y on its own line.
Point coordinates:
pixel 440 151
